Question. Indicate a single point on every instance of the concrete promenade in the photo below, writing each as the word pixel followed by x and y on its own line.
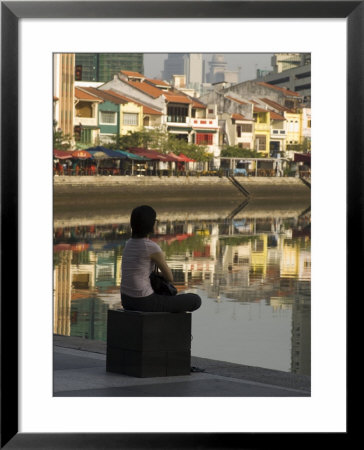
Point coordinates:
pixel 79 371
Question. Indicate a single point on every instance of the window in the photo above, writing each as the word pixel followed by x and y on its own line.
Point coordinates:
pixel 247 128
pixel 85 136
pixel 211 111
pixel 130 119
pixel 177 114
pixel 204 139
pixel 238 130
pixel 309 123
pixel 261 142
pixel 108 117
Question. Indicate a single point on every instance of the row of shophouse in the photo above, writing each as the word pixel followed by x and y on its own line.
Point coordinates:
pixel 250 115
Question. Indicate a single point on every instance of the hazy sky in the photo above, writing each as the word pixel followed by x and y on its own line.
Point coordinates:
pixel 248 63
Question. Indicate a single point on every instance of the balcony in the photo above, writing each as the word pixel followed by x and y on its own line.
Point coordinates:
pixel 262 126
pixel 204 123
pixel 85 121
pixel 178 120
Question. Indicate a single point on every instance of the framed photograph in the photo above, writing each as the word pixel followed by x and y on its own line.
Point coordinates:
pixel 32 33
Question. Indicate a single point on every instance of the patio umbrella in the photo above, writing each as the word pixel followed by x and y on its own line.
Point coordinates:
pixel 173 155
pixel 185 158
pixel 98 155
pixel 110 153
pixel 81 154
pixel 133 156
pixel 62 154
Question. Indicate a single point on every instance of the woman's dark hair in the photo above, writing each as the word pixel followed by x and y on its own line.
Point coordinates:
pixel 142 221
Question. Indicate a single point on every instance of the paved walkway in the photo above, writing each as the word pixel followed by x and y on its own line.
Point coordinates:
pixel 79 371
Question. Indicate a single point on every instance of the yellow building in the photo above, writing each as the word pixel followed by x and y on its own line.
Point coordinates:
pixel 262 130
pixel 131 118
pixel 293 128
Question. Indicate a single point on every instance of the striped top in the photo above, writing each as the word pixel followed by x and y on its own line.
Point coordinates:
pixel 136 267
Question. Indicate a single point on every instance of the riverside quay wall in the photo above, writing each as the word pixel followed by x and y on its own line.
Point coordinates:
pixel 83 196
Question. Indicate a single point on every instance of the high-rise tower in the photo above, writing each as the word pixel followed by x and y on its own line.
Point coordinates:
pixel 103 66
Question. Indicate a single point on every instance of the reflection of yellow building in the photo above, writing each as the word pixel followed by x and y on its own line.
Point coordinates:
pixel 304 271
pixel 83 276
pixel 289 259
pixel 281 303
pixel 62 294
pixel 259 254
pixel 295 261
pixel 118 270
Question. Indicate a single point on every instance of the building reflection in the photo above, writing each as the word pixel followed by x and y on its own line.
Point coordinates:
pixel 243 260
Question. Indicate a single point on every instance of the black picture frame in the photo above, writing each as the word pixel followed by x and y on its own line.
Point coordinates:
pixel 11 12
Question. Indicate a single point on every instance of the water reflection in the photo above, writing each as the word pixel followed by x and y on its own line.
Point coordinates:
pixel 253 274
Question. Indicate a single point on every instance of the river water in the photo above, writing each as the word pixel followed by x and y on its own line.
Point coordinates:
pixel 252 271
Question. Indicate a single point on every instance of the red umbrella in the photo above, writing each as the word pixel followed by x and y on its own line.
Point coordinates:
pixel 81 154
pixel 62 154
pixel 185 158
pixel 176 158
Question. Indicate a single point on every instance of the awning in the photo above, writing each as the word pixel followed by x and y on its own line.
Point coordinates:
pixel 133 156
pixel 151 154
pixel 205 130
pixel 185 129
pixel 62 154
pixel 110 153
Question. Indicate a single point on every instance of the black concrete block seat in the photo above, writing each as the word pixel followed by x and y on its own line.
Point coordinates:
pixel 148 344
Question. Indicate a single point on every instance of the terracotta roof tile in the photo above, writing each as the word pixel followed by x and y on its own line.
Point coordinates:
pixel 236 100
pixel 276 116
pixel 274 105
pixel 177 98
pixel 257 109
pixel 238 117
pixel 157 82
pixel 148 110
pixel 129 73
pixel 277 88
pixel 148 89
pixel 104 95
pixel 197 104
pixel 83 95
pixel 121 97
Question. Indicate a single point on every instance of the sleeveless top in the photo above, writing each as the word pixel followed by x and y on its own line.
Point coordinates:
pixel 136 267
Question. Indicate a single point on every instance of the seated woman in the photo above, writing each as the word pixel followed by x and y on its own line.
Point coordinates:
pixel 139 257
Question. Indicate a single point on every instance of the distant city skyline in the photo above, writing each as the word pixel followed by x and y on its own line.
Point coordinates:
pixel 245 63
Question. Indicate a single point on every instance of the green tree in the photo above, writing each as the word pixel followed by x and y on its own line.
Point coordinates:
pixel 61 141
pixel 159 140
pixel 236 152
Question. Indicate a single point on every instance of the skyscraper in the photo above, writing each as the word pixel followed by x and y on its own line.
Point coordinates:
pixel 217 69
pixel 173 65
pixel 103 66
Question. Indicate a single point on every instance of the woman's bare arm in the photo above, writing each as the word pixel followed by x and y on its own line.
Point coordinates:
pixel 159 259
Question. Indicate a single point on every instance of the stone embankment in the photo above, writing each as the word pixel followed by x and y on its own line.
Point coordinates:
pixel 80 197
